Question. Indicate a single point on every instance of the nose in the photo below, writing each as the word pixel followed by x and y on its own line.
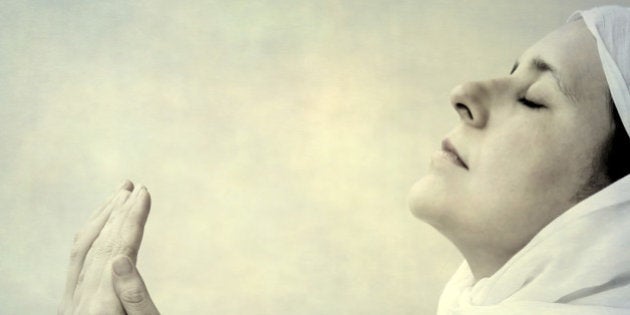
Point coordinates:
pixel 470 100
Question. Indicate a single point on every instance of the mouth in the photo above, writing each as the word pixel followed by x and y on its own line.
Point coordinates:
pixel 449 149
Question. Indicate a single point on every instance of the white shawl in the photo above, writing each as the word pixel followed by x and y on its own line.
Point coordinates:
pixel 578 264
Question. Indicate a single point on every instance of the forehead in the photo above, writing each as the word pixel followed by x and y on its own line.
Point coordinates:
pixel 572 50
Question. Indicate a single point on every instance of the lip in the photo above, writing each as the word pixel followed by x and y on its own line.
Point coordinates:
pixel 449 148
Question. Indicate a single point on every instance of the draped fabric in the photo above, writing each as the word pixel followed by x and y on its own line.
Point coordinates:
pixel 610 25
pixel 578 264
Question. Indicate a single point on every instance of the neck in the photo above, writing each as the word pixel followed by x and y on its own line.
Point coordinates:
pixel 484 259
pixel 483 263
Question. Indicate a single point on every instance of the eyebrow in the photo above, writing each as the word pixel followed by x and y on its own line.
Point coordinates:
pixel 543 66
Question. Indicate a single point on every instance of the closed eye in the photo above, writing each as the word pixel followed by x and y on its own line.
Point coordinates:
pixel 463 110
pixel 530 104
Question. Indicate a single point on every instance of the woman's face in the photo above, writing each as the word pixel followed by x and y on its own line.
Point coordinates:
pixel 529 142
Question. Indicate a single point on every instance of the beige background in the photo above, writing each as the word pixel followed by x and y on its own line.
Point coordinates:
pixel 278 139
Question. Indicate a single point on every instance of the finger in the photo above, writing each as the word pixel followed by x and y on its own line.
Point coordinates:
pixel 132 227
pixel 126 240
pixel 122 204
pixel 126 185
pixel 120 211
pixel 130 288
pixel 109 241
pixel 110 234
pixel 107 245
pixel 84 239
pixel 99 250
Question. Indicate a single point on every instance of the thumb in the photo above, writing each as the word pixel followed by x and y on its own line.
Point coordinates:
pixel 130 288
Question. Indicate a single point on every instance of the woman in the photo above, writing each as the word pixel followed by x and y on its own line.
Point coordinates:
pixel 530 146
pixel 530 187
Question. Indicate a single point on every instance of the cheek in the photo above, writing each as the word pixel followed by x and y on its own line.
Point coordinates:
pixel 523 180
pixel 528 165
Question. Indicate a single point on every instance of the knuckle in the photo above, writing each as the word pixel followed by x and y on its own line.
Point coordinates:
pixel 77 246
pixel 76 253
pixel 129 251
pixel 77 237
pixel 133 231
pixel 81 278
pixel 98 242
pixel 113 215
pixel 102 248
pixel 134 296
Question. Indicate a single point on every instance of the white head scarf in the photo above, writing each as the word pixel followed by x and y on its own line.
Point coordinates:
pixel 580 262
pixel 610 25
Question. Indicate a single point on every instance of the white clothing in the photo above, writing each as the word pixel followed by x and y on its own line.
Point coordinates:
pixel 610 25
pixel 578 264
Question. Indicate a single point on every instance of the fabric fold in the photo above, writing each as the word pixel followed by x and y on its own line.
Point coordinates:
pixel 611 28
pixel 578 264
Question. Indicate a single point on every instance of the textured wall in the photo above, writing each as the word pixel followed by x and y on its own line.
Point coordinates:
pixel 278 139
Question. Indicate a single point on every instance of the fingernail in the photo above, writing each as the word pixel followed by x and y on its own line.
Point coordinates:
pixel 122 266
pixel 123 184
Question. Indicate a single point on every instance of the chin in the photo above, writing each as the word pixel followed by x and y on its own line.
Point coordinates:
pixel 428 199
